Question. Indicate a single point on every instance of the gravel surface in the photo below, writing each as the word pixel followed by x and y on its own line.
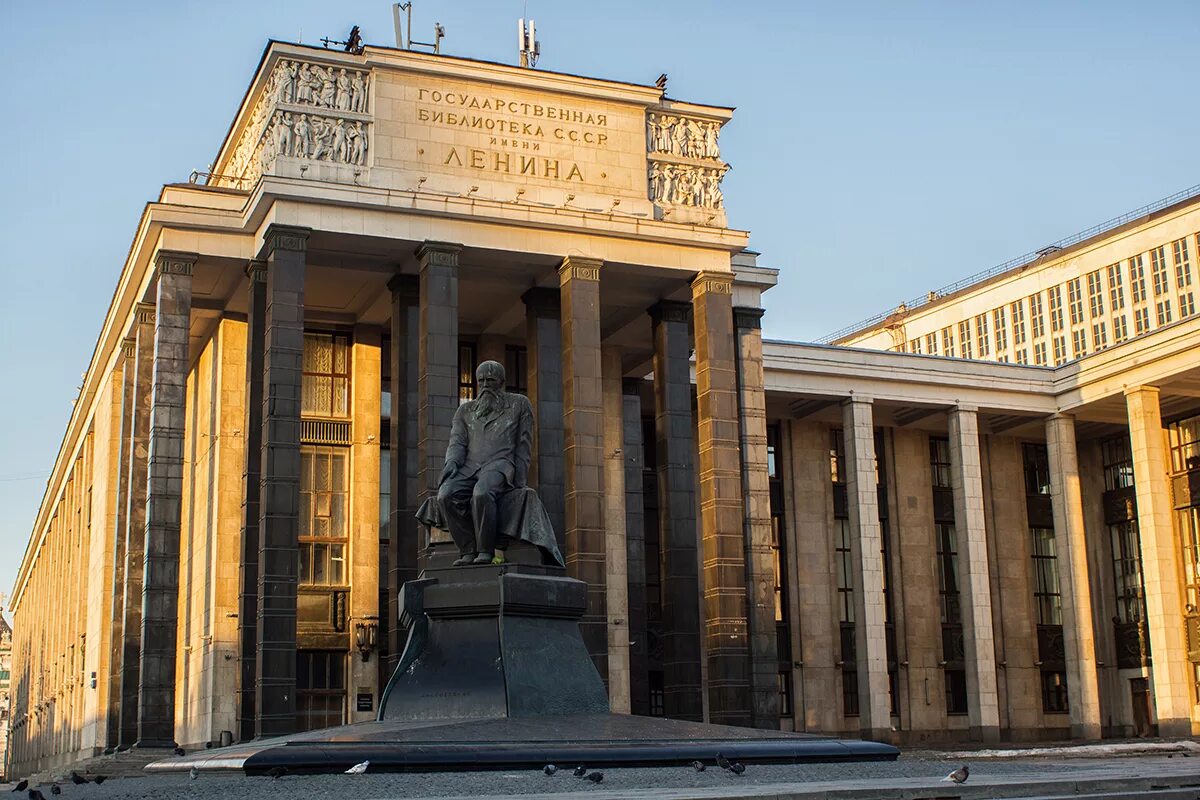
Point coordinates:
pixel 529 782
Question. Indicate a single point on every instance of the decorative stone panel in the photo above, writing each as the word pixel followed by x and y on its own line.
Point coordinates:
pixel 685 167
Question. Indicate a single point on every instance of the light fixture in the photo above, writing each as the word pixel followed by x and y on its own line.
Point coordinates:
pixel 365 636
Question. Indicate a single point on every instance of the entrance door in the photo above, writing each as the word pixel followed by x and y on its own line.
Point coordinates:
pixel 1139 690
pixel 320 689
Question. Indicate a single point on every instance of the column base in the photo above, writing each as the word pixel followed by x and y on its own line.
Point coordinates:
pixel 155 744
pixel 987 733
pixel 1089 732
pixel 1175 728
pixel 884 735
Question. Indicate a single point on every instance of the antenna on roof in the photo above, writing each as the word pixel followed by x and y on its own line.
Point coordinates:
pixel 404 32
pixel 528 46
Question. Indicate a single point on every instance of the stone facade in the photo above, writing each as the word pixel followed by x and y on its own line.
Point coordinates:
pixel 825 539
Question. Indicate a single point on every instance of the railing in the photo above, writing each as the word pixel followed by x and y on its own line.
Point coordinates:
pixel 1014 263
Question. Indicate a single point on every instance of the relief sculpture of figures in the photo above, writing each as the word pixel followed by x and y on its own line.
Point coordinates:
pixel 303 93
pixel 358 93
pixel 342 101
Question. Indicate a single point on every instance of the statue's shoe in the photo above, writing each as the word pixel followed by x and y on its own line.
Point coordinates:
pixel 465 559
pixel 483 558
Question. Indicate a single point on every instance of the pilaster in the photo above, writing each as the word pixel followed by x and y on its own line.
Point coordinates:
pixel 966 480
pixel 756 504
pixel 363 566
pixel 634 461
pixel 583 447
pixel 866 555
pixel 279 499
pixel 617 572
pixel 1083 694
pixel 120 488
pixel 1160 563
pixel 164 498
pixel 544 354
pixel 256 312
pixel 679 575
pixel 403 539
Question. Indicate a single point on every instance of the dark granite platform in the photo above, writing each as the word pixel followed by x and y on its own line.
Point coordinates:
pixel 509 743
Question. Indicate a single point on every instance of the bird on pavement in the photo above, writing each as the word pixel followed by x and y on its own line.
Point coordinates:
pixel 55 789
pixel 580 771
pixel 722 761
pixel 20 787
pixel 99 779
pixel 78 779
pixel 959 775
pixel 596 777
pixel 549 769
pixel 698 766
pixel 180 751
pixel 34 794
pixel 193 773
pixel 277 772
pixel 737 768
pixel 358 769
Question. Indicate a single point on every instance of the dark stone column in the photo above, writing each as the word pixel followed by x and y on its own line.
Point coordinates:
pixel 635 545
pixel 403 541
pixel 721 525
pixel 125 371
pixel 583 448
pixel 543 346
pixel 164 501
pixel 437 371
pixel 756 494
pixel 256 306
pixel 680 581
pixel 135 523
pixel 279 499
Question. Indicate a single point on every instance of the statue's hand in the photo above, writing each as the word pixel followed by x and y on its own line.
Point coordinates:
pixel 448 472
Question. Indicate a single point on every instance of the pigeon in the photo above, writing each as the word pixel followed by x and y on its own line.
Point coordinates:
pixel 722 761
pixel 34 794
pixel 358 769
pixel 277 772
pixel 549 769
pixel 179 751
pixel 596 777
pixel 20 787
pixel 959 775
pixel 123 748
pixel 737 768
pixel 698 766
pixel 99 779
pixel 580 771
pixel 78 779
pixel 193 773
pixel 208 745
pixel 55 789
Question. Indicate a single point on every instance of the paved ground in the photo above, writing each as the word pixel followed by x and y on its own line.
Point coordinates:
pixel 914 775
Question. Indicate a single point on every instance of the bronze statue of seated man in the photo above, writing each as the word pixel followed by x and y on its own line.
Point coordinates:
pixel 483 499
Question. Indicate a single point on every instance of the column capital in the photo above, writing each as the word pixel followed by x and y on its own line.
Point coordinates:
pixel 173 262
pixel 285 237
pixel 748 317
pixel 543 301
pixel 128 346
pixel 1060 416
pixel 406 286
pixel 256 270
pixel 858 399
pixel 671 311
pixel 1142 389
pixel 144 314
pixel 964 408
pixel 712 282
pixel 632 386
pixel 579 268
pixel 438 254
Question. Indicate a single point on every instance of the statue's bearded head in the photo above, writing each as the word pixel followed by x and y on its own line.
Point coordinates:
pixel 489 378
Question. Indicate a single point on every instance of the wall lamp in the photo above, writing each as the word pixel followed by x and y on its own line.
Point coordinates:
pixel 366 636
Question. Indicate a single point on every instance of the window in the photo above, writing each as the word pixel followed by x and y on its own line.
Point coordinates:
pixel 1060 350
pixel 1075 300
pixel 837 456
pixel 1187 305
pixel 323 522
pixel 1116 292
pixel 1037 322
pixel 1183 266
pixel 1189 531
pixel 1127 569
pixel 1047 592
pixel 1095 294
pixel 466 372
pixel 1120 329
pixel 785 693
pixel 1056 309
pixel 956 691
pixel 1039 354
pixel 850 693
pixel 1021 355
pixel 1137 280
pixel 1001 330
pixel 325 390
pixel 1078 344
pixel 939 462
pixel 1037 468
pixel 914 345
pixel 981 334
pixel 931 344
pixel 948 342
pixel 320 688
pixel 1158 271
pixel 1162 311
pixel 845 571
pixel 964 338
pixel 1184 438
pixel 947 553
pixel 516 369
pixel 1099 336
pixel 658 706
pixel 1054 692
pixel 1141 320
pixel 1018 322
pixel 1118 463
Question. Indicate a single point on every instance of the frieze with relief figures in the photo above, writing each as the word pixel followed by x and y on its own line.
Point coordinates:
pixel 685 168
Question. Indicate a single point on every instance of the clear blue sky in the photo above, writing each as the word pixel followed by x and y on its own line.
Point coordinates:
pixel 880 149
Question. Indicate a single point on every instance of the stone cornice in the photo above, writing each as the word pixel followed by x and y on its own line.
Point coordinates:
pixel 671 311
pixel 438 254
pixel 285 237
pixel 407 286
pixel 144 314
pixel 580 268
pixel 256 270
pixel 748 317
pixel 543 302
pixel 172 262
pixel 711 282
